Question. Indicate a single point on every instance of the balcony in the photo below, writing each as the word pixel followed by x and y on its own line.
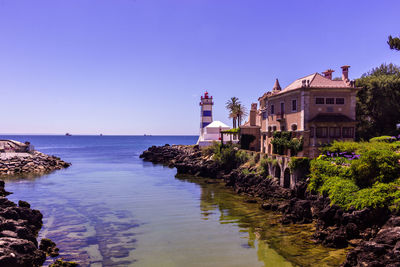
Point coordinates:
pixel 280 116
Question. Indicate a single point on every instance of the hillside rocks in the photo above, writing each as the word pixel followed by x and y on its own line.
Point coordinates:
pixel 374 233
pixel 29 163
pixel 19 226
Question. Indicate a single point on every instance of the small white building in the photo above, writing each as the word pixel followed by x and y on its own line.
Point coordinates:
pixel 210 131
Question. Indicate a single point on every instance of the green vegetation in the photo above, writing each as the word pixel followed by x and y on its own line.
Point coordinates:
pixel 228 156
pixel 236 111
pixel 302 164
pixel 378 102
pixel 394 43
pixel 283 140
pixel 359 174
pixel 263 167
pixel 384 138
pixel 62 263
pixel 234 130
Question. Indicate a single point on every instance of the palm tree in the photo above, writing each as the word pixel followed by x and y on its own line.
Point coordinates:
pixel 240 112
pixel 231 106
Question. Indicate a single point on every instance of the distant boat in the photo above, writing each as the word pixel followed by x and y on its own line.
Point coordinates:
pixel 101 134
pixel 68 134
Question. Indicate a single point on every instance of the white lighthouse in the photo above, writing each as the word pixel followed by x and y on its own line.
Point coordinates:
pixel 210 131
pixel 206 103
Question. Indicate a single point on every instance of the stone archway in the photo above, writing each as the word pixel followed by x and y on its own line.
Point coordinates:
pixel 286 178
pixel 278 172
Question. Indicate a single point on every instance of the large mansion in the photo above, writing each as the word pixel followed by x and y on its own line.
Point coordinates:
pixel 316 109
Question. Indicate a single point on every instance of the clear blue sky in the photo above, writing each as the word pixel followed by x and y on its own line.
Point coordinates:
pixel 135 67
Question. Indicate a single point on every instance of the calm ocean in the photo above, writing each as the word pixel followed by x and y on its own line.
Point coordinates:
pixel 112 209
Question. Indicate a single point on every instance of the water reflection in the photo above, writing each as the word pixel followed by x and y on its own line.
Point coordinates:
pixel 265 233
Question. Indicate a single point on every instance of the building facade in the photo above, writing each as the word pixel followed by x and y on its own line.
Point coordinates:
pixel 315 108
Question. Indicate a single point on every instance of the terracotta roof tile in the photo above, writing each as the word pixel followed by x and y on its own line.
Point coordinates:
pixel 315 80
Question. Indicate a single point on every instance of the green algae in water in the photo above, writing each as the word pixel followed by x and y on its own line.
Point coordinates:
pixel 265 233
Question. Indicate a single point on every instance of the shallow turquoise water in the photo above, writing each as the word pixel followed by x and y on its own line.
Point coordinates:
pixel 112 209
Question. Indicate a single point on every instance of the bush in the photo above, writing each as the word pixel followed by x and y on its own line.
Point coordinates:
pixel 242 156
pixel 380 195
pixel 375 166
pixel 263 168
pixel 384 138
pixel 372 180
pixel 211 150
pixel 340 191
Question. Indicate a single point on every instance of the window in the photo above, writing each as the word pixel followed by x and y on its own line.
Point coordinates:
pixel 272 109
pixel 282 108
pixel 274 128
pixel 334 132
pixel 348 132
pixel 311 131
pixel 322 132
pixel 282 128
pixel 207 113
pixel 294 105
pixel 340 101
pixel 319 100
pixel 294 127
pixel 330 101
pixel 269 128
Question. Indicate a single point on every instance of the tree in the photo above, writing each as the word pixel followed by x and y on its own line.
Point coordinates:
pixel 240 113
pixel 378 102
pixel 394 43
pixel 231 106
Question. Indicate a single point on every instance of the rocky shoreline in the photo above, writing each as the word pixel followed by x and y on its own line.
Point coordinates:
pixel 373 234
pixel 33 162
pixel 19 227
pixel 19 224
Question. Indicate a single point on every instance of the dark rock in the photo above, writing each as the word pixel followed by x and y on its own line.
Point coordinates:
pixel 24 204
pixel 49 247
pixel 266 206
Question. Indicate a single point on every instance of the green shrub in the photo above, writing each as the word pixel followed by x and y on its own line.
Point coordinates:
pixel 372 180
pixel 340 146
pixel 242 156
pixel 211 150
pixel 263 168
pixel 340 191
pixel 384 138
pixel 380 195
pixel 375 166
pixel 299 163
pixel 245 171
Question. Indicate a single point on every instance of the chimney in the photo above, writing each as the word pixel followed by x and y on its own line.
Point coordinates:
pixel 345 72
pixel 328 73
pixel 253 112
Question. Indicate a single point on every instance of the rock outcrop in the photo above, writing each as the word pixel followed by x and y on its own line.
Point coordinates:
pixel 30 163
pixel 374 233
pixel 19 227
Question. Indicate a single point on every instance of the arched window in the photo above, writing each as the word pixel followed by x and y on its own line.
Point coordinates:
pixel 294 127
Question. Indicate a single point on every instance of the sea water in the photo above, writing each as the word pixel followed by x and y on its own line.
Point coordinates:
pixel 110 208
